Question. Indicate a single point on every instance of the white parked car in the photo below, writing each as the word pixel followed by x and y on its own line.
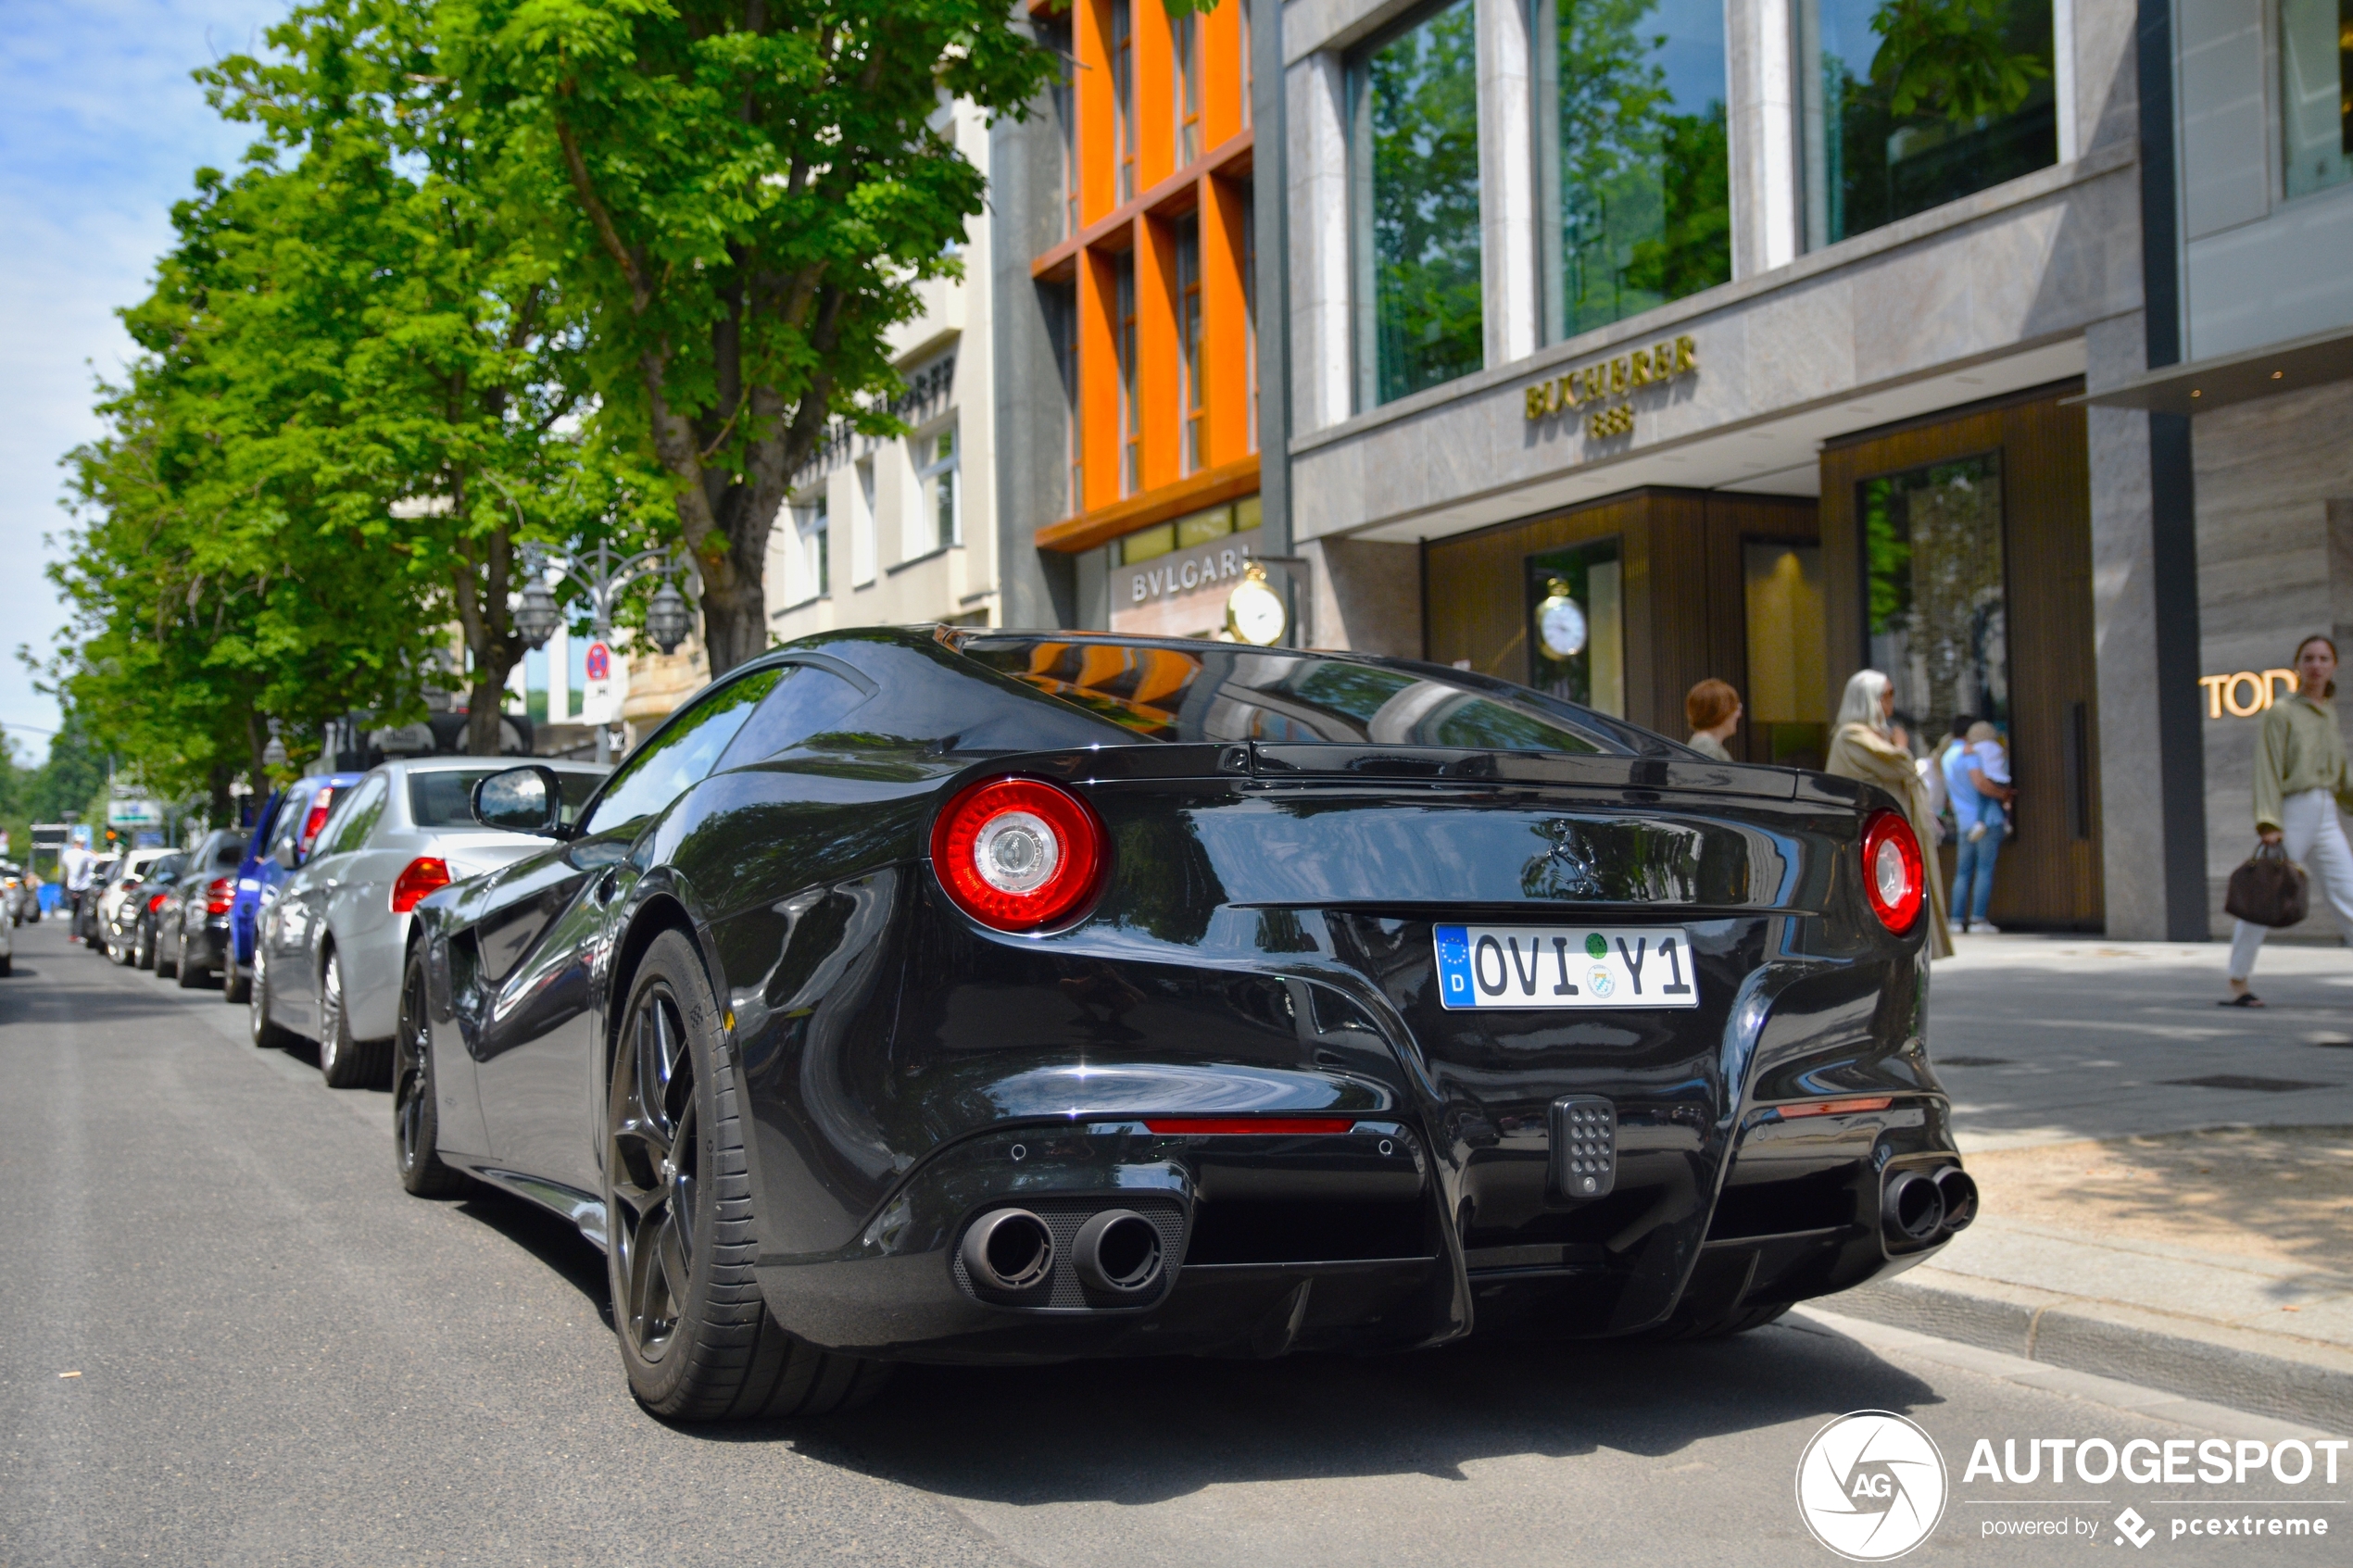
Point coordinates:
pixel 329 950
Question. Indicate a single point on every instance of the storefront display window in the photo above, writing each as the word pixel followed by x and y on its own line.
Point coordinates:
pixel 2316 93
pixel 1577 625
pixel 1417 244
pixel 1936 601
pixel 1908 105
pixel 1788 696
pixel 1632 155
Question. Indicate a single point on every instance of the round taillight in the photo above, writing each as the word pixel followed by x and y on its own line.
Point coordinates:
pixel 1018 853
pixel 1894 876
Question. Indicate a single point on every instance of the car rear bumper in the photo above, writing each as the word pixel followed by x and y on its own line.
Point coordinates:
pixel 205 944
pixel 1326 1243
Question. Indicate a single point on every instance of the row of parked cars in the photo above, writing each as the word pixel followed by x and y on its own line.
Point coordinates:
pixel 306 920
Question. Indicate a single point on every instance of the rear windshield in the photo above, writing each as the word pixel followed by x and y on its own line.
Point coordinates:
pixel 444 798
pixel 1225 692
pixel 229 853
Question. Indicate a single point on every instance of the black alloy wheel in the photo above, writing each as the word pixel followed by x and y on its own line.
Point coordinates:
pixel 344 1062
pixel 697 1338
pixel 416 1116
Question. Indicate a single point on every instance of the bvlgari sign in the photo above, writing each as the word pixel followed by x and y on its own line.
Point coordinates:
pixel 1600 388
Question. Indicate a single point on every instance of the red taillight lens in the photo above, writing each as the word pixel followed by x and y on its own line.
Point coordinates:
pixel 424 874
pixel 1019 854
pixel 157 902
pixel 317 820
pixel 1894 878
pixel 218 894
pixel 1262 1125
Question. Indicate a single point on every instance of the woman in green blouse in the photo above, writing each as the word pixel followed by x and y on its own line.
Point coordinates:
pixel 2300 779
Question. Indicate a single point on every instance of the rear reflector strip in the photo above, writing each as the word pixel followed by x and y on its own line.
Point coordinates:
pixel 1262 1125
pixel 1836 1107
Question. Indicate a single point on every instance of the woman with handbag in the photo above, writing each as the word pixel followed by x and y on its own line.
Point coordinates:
pixel 1864 744
pixel 2300 779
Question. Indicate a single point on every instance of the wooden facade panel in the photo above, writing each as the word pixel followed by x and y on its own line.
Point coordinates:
pixel 2048 875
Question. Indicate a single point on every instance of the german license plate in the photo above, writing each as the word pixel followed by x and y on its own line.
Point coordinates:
pixel 1565 966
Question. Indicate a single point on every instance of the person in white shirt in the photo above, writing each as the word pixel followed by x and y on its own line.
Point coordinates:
pixel 79 865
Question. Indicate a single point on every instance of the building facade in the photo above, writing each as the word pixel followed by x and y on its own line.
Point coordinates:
pixel 887 531
pixel 2255 384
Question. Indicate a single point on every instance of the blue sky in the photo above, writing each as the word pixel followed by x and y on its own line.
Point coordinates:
pixel 100 132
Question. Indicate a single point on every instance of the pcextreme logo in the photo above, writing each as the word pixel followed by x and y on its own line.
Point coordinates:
pixel 1870 1486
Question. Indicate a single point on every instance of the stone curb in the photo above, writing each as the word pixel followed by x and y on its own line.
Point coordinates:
pixel 2272 1375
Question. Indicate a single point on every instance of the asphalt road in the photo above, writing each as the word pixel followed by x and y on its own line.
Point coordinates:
pixel 231 1338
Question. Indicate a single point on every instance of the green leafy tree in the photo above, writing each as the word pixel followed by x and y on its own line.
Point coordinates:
pixel 743 197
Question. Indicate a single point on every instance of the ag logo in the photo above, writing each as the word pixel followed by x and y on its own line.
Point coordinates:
pixel 1870 1486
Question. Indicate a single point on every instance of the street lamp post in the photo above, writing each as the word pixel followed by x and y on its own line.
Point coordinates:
pixel 604 576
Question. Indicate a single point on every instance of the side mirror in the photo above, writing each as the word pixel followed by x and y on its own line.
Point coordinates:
pixel 527 799
pixel 287 855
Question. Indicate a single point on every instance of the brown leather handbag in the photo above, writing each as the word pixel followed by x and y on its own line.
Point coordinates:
pixel 2269 889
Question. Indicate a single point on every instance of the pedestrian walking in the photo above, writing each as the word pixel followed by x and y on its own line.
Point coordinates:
pixel 1714 709
pixel 1977 783
pixel 1865 745
pixel 79 865
pixel 2300 781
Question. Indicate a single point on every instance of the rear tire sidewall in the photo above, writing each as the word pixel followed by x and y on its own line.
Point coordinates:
pixel 671 965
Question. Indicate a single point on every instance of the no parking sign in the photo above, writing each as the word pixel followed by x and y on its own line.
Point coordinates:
pixel 605 687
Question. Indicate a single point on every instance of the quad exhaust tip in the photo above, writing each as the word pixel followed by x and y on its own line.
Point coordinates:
pixel 1119 1252
pixel 1912 1207
pixel 1009 1250
pixel 1959 1193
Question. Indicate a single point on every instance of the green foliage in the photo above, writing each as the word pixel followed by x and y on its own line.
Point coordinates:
pixel 741 200
pixel 1953 58
pixel 1428 291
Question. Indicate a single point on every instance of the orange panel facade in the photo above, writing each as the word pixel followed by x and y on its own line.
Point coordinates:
pixel 1158 266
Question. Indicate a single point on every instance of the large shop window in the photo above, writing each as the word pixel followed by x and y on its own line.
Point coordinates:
pixel 1417 241
pixel 1633 159
pixel 2316 93
pixel 1938 614
pixel 1577 625
pixel 1789 677
pixel 1909 104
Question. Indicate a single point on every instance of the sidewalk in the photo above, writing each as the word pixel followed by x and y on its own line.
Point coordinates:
pixel 2168 1184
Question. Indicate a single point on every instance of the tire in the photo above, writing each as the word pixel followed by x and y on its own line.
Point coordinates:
pixel 7 961
pixel 265 1035
pixel 343 1063
pixel 143 945
pixel 166 969
pixel 416 1115
pixel 185 975
pixel 697 1341
pixel 236 989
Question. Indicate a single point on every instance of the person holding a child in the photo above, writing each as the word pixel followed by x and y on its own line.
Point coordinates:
pixel 1977 783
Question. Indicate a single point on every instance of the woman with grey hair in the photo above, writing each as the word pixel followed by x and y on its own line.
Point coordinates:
pixel 1862 746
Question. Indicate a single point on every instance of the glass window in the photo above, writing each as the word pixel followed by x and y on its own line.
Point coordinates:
pixel 1217 693
pixel 1065 106
pixel 1577 625
pixel 355 818
pixel 444 797
pixel 805 703
pixel 1417 150
pixel 1937 612
pixel 938 476
pixel 1184 49
pixel 1788 695
pixel 1189 344
pixel 1634 170
pixel 680 754
pixel 816 546
pixel 1908 106
pixel 2316 93
pixel 1131 411
pixel 1123 91
pixel 229 853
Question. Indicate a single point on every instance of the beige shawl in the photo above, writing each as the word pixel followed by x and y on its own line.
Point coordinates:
pixel 1857 751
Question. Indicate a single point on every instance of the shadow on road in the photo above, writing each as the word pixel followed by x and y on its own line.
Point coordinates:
pixel 1146 1431
pixel 555 1242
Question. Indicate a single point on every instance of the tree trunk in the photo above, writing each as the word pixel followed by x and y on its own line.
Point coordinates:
pixel 484 701
pixel 734 621
pixel 218 807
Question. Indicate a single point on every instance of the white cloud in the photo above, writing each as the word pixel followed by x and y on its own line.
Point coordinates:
pixel 101 130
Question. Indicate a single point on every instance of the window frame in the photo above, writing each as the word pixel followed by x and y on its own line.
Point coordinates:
pixel 937 477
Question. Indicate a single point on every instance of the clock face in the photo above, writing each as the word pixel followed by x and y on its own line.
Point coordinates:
pixel 1255 613
pixel 1562 625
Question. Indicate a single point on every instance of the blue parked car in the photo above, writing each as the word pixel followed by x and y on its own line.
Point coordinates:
pixel 283 835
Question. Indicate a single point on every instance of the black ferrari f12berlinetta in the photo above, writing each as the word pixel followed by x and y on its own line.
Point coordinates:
pixel 971 996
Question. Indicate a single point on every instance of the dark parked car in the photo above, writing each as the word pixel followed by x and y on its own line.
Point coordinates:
pixel 192 921
pixel 282 835
pixel 139 912
pixel 995 996
pixel 122 908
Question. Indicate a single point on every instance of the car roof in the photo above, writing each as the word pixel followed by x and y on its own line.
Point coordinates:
pixel 447 763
